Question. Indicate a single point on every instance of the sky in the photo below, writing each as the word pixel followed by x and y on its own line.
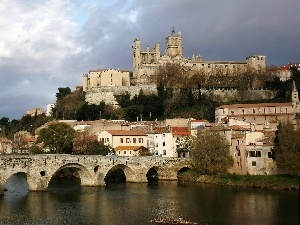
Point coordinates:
pixel 49 44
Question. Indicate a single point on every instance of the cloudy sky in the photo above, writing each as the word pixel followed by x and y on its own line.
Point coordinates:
pixel 49 44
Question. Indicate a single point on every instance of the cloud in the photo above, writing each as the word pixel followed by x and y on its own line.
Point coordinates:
pixel 49 44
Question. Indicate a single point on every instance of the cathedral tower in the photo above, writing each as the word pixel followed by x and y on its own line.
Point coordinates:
pixel 174 45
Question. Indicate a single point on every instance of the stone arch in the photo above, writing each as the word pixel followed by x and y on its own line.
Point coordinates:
pixel 132 175
pixel 171 172
pixel 153 173
pixel 3 180
pixel 86 177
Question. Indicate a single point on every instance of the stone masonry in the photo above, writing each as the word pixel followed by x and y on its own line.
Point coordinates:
pixel 39 169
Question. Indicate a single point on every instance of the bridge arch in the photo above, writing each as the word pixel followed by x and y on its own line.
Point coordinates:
pixel 87 178
pixel 130 174
pixel 6 185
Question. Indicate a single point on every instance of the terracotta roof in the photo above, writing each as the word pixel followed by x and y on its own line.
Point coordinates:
pixel 237 127
pixel 285 68
pixel 180 131
pixel 5 140
pixel 234 136
pixel 256 105
pixel 126 133
pixel 29 139
pixel 199 121
pixel 124 148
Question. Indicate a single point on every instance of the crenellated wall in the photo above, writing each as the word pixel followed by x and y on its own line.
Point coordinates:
pixel 39 169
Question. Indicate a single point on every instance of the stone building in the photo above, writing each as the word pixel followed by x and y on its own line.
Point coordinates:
pixel 105 78
pixel 35 111
pixel 145 63
pixel 260 116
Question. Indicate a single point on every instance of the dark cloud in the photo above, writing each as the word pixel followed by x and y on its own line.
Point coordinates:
pixel 50 45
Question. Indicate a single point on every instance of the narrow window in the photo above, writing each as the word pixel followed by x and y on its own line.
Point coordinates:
pixel 121 140
pixel 253 163
pixel 269 155
pixel 134 140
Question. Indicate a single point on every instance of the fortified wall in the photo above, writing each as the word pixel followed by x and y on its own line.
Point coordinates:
pixel 106 94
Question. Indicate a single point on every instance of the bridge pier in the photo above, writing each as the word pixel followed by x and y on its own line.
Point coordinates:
pixel 37 183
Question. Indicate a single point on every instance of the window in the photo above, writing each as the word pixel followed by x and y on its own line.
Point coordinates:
pixel 164 143
pixel 156 144
pixel 140 140
pixel 124 152
pixel 164 135
pixel 127 140
pixel 121 140
pixel 269 155
pixel 254 153
pixel 164 152
pixel 129 152
pixel 253 163
pixel 134 140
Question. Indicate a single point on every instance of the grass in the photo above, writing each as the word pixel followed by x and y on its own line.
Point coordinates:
pixel 287 182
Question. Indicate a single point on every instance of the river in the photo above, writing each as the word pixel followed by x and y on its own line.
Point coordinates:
pixel 66 202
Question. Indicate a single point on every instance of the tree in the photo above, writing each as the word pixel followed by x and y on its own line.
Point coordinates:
pixel 210 152
pixel 286 151
pixel 62 92
pixel 85 143
pixel 58 137
pixel 183 145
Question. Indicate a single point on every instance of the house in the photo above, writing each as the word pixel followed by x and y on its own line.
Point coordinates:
pixel 124 142
pixel 259 159
pixel 260 116
pixel 181 141
pixel 193 125
pixel 5 146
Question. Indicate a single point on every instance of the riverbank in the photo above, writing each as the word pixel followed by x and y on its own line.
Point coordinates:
pixel 280 182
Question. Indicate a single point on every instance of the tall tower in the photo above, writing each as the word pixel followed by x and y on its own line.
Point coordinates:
pixel 136 48
pixel 174 45
pixel 257 62
pixel 295 99
pixel 85 86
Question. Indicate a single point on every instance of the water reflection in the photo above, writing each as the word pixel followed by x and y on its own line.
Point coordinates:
pixel 66 202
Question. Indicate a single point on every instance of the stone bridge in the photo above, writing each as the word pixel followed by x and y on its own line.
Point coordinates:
pixel 92 169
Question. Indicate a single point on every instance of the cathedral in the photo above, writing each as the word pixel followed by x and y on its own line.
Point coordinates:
pixel 145 63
